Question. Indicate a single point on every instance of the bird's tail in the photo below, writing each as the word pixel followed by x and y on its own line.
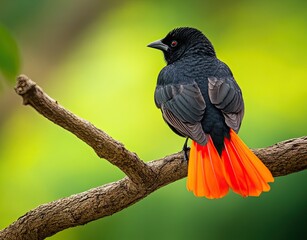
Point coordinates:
pixel 211 175
pixel 205 171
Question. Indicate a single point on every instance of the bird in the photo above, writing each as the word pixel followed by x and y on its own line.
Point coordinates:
pixel 200 100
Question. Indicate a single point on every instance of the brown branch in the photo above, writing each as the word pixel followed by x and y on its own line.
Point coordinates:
pixel 105 146
pixel 142 179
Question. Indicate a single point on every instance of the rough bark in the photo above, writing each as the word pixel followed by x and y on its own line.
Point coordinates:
pixel 142 178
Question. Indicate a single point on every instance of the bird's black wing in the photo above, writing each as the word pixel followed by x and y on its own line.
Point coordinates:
pixel 183 108
pixel 226 95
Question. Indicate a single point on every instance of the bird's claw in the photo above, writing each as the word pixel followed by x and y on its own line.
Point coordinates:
pixel 186 154
pixel 186 150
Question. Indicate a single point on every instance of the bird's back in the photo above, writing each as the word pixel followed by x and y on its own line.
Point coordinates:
pixel 213 121
pixel 198 69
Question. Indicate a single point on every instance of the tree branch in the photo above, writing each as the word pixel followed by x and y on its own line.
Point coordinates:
pixel 142 179
pixel 104 145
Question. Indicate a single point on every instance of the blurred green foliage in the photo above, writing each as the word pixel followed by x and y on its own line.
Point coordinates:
pixel 103 72
pixel 9 55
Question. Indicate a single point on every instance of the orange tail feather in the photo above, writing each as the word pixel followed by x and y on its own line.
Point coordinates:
pixel 243 170
pixel 238 167
pixel 205 171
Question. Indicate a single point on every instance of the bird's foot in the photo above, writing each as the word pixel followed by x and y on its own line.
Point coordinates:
pixel 186 150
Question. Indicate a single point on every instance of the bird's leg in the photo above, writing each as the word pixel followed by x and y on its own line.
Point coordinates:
pixel 185 149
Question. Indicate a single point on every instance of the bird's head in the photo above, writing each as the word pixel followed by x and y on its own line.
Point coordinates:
pixel 183 41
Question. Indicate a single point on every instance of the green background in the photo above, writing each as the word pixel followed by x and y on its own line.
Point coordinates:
pixel 91 57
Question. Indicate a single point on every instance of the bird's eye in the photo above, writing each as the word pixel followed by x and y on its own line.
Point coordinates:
pixel 174 43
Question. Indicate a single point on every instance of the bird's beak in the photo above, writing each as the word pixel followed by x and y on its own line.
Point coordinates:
pixel 158 45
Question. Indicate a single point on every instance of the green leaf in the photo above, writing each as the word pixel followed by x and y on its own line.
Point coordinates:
pixel 9 55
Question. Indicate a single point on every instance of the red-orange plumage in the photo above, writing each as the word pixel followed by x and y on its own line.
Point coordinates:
pixel 205 171
pixel 238 168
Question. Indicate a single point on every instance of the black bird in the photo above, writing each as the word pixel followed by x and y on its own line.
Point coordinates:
pixel 200 99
